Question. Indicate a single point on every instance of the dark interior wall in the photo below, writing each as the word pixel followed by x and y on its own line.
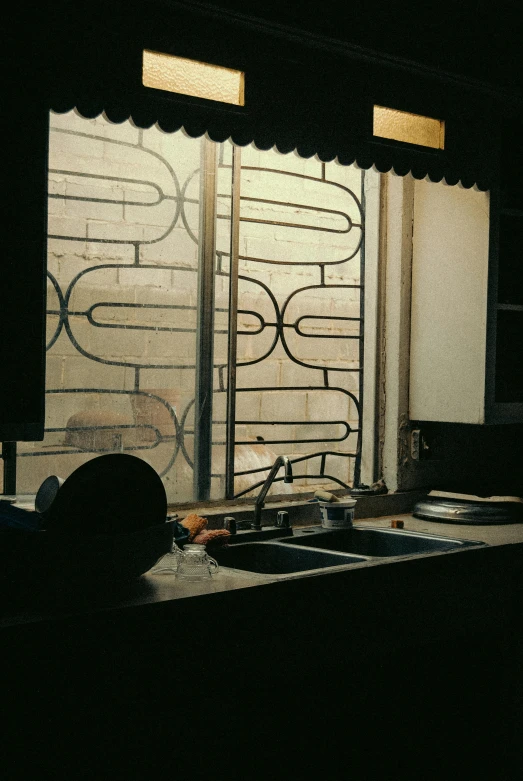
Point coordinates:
pixel 481 460
pixel 22 282
pixel 475 40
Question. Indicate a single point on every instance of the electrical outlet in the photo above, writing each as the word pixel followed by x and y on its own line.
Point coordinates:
pixel 419 449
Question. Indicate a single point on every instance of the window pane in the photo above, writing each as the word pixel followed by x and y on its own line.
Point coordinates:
pixel 299 319
pixel 123 265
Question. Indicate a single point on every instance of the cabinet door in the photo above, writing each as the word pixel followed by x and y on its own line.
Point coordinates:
pixel 466 357
pixel 450 263
pixel 505 321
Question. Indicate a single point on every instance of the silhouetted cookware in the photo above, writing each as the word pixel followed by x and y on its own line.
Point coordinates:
pixel 110 494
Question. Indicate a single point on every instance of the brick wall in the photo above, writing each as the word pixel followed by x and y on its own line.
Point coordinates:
pixel 122 261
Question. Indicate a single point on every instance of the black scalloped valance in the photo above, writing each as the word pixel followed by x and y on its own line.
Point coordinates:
pixel 297 97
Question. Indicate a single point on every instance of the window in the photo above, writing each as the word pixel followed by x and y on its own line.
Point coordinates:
pixel 265 341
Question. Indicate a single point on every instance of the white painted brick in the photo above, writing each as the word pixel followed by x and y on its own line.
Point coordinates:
pixel 74 153
pixel 60 407
pixel 341 468
pixel 348 308
pixel 168 348
pixel 273 433
pixel 220 348
pixel 177 248
pixel 142 278
pixel 63 345
pixel 293 374
pixel 64 226
pixel 219 412
pixel 179 290
pixel 103 230
pixel 115 344
pixel 283 405
pixel 100 252
pixel 248 406
pixel 222 291
pixel 181 151
pixel 32 471
pixel 326 404
pixel 81 372
pixel 320 432
pixel 170 379
pixel 52 322
pixel 156 215
pixel 54 371
pixel 265 374
pixel 83 211
pixel 310 349
pixel 353 410
pixel 84 297
pixel 99 126
pixel 95 283
pixel 71 265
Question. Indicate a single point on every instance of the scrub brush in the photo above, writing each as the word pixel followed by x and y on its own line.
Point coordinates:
pixel 195 524
pixel 325 496
pixel 218 536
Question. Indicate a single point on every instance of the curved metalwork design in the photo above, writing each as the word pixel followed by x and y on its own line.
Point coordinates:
pixel 113 199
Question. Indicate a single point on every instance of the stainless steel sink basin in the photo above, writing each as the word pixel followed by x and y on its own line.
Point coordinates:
pixel 274 558
pixel 377 543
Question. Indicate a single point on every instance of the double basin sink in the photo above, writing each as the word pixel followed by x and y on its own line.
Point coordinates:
pixel 314 548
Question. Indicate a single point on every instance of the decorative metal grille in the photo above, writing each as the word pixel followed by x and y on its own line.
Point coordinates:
pixel 114 199
pixel 284 325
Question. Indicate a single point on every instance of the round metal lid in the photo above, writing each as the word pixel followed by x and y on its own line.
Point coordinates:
pixel 474 510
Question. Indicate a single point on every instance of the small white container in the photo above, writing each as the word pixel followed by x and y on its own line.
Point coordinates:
pixel 337 515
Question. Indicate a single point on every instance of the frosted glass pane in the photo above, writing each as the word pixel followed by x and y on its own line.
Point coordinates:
pixel 411 128
pixel 190 77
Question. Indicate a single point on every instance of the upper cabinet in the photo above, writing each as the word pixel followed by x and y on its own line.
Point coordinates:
pixel 507 283
pixel 466 361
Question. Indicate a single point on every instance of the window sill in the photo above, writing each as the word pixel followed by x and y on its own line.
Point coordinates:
pixel 302 511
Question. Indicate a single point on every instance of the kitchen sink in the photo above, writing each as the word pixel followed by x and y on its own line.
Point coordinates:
pixel 315 548
pixel 274 558
pixel 377 543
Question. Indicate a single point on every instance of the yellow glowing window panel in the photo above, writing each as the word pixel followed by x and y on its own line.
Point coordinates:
pixel 190 77
pixel 410 128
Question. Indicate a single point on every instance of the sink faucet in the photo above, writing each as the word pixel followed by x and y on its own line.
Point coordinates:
pixel 280 461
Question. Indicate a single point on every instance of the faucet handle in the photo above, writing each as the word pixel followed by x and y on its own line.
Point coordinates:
pixel 282 519
pixel 229 523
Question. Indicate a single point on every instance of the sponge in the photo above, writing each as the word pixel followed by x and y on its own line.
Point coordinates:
pixel 195 524
pixel 325 496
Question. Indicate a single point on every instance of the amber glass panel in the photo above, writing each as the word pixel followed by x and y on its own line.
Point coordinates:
pixel 410 128
pixel 190 77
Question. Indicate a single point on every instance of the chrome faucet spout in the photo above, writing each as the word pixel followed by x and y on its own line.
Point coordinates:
pixel 288 478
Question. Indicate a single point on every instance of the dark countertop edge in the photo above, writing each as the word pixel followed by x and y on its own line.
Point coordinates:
pixel 439 588
pixel 162 603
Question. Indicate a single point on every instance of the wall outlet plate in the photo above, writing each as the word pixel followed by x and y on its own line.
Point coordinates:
pixel 419 449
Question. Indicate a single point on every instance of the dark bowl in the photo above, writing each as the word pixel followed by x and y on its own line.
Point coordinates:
pixel 111 494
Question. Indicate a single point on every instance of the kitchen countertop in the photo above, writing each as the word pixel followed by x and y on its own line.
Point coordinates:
pixel 164 671
pixel 65 601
